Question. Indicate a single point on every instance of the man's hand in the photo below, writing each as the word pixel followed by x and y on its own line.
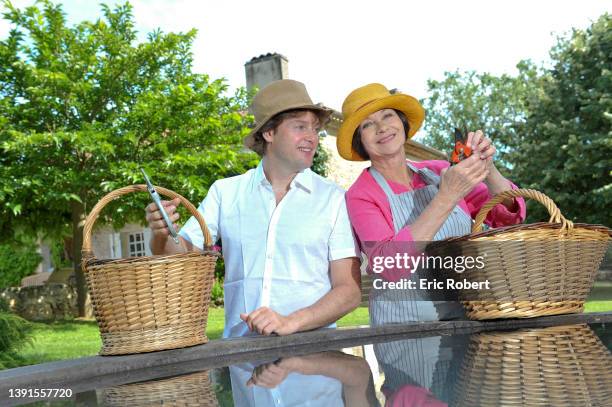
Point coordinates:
pixel 156 221
pixel 266 321
pixel 270 375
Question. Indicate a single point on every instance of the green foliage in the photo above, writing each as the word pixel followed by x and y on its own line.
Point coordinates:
pixel 216 295
pixel 4 306
pixel 477 101
pixel 220 269
pixel 565 145
pixel 17 260
pixel 84 106
pixel 15 332
pixel 59 257
pixel 551 127
pixel 320 163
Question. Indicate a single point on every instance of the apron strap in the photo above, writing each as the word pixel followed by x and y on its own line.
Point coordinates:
pixel 430 177
pixel 380 180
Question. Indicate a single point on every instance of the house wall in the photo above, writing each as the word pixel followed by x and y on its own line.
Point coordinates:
pixel 45 252
pixel 265 69
pixel 101 243
pixel 110 244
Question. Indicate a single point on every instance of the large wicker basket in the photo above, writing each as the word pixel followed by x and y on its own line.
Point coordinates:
pixel 145 304
pixel 556 366
pixel 188 390
pixel 533 269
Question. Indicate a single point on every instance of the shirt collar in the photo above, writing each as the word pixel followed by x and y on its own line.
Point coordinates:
pixel 303 179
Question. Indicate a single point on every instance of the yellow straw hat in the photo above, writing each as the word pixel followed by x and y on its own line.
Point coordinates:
pixel 366 100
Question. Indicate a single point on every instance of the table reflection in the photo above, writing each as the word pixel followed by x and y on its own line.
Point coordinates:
pixel 187 390
pixel 321 379
pixel 420 371
pixel 556 366
pixel 565 365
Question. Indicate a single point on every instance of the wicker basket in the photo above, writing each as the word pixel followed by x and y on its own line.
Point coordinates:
pixel 557 366
pixel 145 304
pixel 533 270
pixel 188 390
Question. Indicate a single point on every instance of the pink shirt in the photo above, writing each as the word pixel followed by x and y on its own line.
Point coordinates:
pixel 370 212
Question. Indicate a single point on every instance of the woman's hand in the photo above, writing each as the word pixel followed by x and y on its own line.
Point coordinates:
pixel 457 181
pixel 495 182
pixel 483 145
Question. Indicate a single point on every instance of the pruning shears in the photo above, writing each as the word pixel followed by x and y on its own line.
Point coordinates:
pixel 157 200
pixel 461 151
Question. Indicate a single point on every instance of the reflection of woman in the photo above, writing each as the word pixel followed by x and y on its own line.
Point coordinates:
pixel 420 371
pixel 398 202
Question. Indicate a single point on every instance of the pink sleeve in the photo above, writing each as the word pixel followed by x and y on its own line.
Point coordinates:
pixel 376 233
pixel 409 395
pixel 500 215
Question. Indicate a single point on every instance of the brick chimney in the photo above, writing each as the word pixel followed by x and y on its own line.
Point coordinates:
pixel 264 69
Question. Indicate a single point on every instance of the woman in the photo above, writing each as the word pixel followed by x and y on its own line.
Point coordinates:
pixel 397 206
pixel 397 203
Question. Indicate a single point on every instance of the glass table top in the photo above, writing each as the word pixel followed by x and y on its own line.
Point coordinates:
pixel 565 365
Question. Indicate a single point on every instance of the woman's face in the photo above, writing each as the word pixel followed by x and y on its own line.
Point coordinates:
pixel 382 133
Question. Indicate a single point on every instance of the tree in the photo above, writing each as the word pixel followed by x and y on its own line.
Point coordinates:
pixel 565 144
pixel 83 107
pixel 15 333
pixel 18 259
pixel 478 101
pixel 551 126
pixel 320 162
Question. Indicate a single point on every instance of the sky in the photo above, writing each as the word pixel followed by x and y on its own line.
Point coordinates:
pixel 336 46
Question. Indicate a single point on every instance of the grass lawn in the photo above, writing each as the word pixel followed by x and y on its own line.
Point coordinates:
pixel 600 299
pixel 68 340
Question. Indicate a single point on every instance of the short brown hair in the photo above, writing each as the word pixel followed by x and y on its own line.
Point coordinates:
pixel 358 144
pixel 259 143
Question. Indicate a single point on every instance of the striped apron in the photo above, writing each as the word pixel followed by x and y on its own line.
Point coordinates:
pixel 419 360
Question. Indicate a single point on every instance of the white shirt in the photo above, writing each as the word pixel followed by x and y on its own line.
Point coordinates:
pixel 275 256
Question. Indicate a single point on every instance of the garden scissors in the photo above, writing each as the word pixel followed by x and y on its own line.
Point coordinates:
pixel 157 200
pixel 461 151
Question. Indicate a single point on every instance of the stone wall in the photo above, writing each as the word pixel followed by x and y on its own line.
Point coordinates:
pixel 47 302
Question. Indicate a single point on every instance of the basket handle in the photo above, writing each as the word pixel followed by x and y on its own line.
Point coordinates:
pixel 95 212
pixel 553 210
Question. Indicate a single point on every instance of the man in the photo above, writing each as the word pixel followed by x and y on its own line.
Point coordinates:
pixel 289 251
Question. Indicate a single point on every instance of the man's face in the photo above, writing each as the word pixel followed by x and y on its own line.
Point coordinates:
pixel 294 141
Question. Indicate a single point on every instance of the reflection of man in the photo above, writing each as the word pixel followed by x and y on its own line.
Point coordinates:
pixel 289 251
pixel 321 379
